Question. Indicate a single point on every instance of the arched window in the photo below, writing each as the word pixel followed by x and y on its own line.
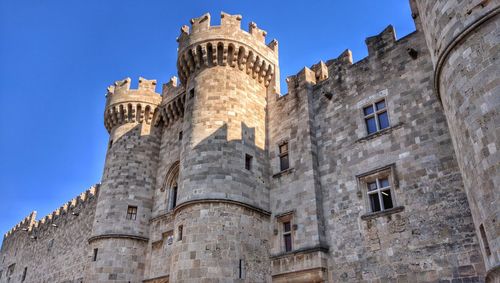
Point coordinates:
pixel 171 185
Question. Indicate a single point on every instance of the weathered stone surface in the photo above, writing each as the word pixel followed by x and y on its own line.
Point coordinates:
pixel 201 163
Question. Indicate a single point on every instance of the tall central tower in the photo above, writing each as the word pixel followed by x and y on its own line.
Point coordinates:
pixel 222 216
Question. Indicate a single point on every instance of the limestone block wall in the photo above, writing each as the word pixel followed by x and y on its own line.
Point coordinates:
pixel 429 234
pixel 464 38
pixel 53 249
pixel 129 180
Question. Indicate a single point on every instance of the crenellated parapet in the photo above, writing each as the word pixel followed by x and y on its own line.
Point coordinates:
pixel 30 224
pixel 26 224
pixel 207 46
pixel 172 106
pixel 125 105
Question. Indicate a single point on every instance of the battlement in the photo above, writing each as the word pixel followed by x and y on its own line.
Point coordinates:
pixel 29 224
pixel 172 105
pixel 226 45
pixel 125 105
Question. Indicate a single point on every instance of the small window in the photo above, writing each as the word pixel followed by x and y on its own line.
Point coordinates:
pixel 485 240
pixel 24 274
pixel 174 196
pixel 284 161
pixel 248 162
pixel 179 234
pixel 180 135
pixel 376 118
pixel 241 269
pixel 379 189
pixel 110 144
pixel 94 256
pixel 132 212
pixel 191 93
pixel 287 236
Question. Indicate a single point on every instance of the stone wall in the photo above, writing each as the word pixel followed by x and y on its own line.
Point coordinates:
pixel 464 37
pixel 54 249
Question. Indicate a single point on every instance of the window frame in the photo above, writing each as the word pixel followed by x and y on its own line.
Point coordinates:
pixel 281 221
pixel 376 113
pixel 248 162
pixel 375 175
pixel 132 212
pixel 283 154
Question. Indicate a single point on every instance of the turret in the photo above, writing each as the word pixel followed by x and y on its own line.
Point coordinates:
pixel 463 40
pixel 222 212
pixel 121 226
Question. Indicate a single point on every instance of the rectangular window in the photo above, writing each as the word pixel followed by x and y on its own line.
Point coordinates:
pixel 110 144
pixel 287 236
pixel 180 135
pixel 179 234
pixel 174 196
pixel 248 162
pixel 376 118
pixel 379 188
pixel 485 240
pixel 24 274
pixel 284 161
pixel 379 193
pixel 191 93
pixel 94 256
pixel 241 267
pixel 132 212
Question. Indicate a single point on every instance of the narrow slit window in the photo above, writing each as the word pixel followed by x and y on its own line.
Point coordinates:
pixel 376 117
pixel 485 240
pixel 25 271
pixel 174 196
pixel 284 160
pixel 94 256
pixel 131 212
pixel 179 234
pixel 191 93
pixel 110 144
pixel 180 135
pixel 248 162
pixel 287 236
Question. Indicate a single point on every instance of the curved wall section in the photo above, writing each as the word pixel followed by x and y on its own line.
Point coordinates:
pixel 464 39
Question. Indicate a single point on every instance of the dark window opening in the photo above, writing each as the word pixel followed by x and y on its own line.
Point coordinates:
pixel 284 161
pixel 179 234
pixel 191 93
pixel 110 144
pixel 174 196
pixel 94 257
pixel 287 236
pixel 248 162
pixel 132 212
pixel 180 135
pixel 24 274
pixel 376 117
pixel 240 269
pixel 379 194
pixel 485 240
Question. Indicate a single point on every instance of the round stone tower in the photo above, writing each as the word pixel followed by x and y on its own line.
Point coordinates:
pixel 121 225
pixel 221 218
pixel 464 40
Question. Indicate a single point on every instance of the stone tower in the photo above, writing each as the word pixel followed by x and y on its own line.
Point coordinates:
pixel 228 74
pixel 121 226
pixel 464 42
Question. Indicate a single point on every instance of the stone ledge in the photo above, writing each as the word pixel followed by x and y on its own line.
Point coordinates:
pixel 161 215
pixel 160 279
pixel 380 133
pixel 284 172
pixel 377 214
pixel 114 236
pixel 210 200
pixel 305 250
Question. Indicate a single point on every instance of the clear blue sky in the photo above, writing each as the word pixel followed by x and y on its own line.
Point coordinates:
pixel 57 57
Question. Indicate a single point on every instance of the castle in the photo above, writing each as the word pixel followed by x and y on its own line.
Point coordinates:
pixel 385 170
